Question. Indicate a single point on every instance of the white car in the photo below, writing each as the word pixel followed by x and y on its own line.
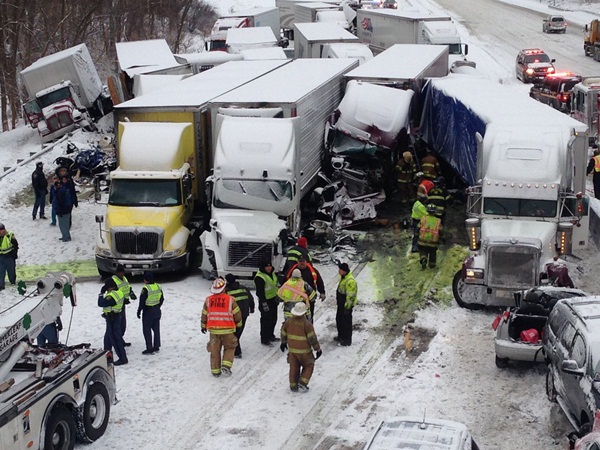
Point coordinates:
pixel 554 24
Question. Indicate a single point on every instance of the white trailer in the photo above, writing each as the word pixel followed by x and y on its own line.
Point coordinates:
pixel 240 39
pixel 267 158
pixel 248 18
pixel 307 12
pixel 311 37
pixel 286 14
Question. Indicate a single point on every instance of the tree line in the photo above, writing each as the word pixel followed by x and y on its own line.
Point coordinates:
pixel 30 29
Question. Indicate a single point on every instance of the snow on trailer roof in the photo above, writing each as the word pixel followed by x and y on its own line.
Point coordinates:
pixel 248 12
pixel 249 36
pixel 196 90
pixel 56 57
pixel 153 53
pixel 324 31
pixel 253 54
pixel 399 62
pixel 410 14
pixel 289 83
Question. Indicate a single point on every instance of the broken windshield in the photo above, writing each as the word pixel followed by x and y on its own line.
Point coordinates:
pixel 347 145
pixel 271 190
pixel 521 207
pixel 145 192
pixel 54 97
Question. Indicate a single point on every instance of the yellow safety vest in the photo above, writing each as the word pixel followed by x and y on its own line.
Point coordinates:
pixel 418 210
pixel 349 290
pixel 429 233
pixel 154 294
pixel 6 246
pixel 291 293
pixel 123 285
pixel 270 284
pixel 597 163
pixel 118 297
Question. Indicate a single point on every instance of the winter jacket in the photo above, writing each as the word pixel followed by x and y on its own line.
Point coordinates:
pixel 39 181
pixel 9 245
pixel 64 200
pixel 299 334
pixel 347 291
pixel 242 296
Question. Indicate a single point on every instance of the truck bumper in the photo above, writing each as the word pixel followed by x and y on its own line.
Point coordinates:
pixel 138 266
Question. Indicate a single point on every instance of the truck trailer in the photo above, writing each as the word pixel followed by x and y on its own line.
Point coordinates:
pixel 525 167
pixel 268 148
pixel 167 223
pixel 286 14
pixel 319 12
pixel 311 38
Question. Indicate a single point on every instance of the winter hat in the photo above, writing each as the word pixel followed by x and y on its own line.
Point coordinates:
pixel 302 242
pixel 344 267
pixel 407 156
pixel 2 226
pixel 149 276
pixel 230 278
pixel 39 164
pixel 110 283
pixel 299 309
pixel 296 273
pixel 218 286
pixel 120 268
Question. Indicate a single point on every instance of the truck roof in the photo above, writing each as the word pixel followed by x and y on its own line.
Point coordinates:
pixel 251 36
pixel 408 14
pixel 324 31
pixel 144 56
pixel 416 59
pixel 194 92
pixel 59 56
pixel 145 83
pixel 269 53
pixel 289 83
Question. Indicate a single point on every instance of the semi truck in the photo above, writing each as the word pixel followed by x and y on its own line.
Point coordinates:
pixel 158 231
pixel 591 38
pixel 53 395
pixel 286 14
pixel 382 28
pixel 311 38
pixel 241 39
pixel 584 105
pixel 268 148
pixel 525 167
pixel 248 18
pixel 319 12
pixel 64 92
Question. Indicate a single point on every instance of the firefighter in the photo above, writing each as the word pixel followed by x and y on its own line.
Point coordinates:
pixel 266 285
pixel 221 316
pixel 438 196
pixel 311 276
pixel 406 171
pixel 245 301
pixel 430 228
pixel 9 250
pixel 111 302
pixel 418 212
pixel 293 291
pixel 151 300
pixel 297 251
pixel 298 336
pixel 430 165
pixel 123 284
pixel 346 301
pixel 594 166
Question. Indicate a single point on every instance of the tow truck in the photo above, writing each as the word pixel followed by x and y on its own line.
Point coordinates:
pixel 53 395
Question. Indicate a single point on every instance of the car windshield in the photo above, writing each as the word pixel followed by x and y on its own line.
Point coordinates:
pixel 144 192
pixel 537 58
pixel 520 207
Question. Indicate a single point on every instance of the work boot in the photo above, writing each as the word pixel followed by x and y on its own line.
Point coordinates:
pixel 126 344
pixel 216 375
pixel 423 263
pixel 121 362
pixel 268 344
pixel 275 339
pixel 302 387
pixel 148 351
pixel 238 355
pixel 226 371
pixel 294 388
pixel 156 349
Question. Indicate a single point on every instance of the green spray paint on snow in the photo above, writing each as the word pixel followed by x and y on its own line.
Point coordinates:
pixel 80 269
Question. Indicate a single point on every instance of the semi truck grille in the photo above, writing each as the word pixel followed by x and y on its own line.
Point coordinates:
pixel 249 254
pixel 512 267
pixel 129 243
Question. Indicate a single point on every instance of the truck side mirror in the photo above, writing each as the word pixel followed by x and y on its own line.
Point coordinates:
pixel 466 49
pixel 99 218
pixel 586 28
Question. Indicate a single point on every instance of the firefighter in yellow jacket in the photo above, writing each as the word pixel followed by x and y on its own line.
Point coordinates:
pixel 298 336
pixel 430 229
pixel 221 316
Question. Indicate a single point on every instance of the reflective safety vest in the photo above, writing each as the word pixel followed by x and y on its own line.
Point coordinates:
pixel 429 232
pixel 154 294
pixel 296 252
pixel 430 166
pixel 291 293
pixel 6 246
pixel 239 294
pixel 117 296
pixel 219 312
pixel 347 290
pixel 597 163
pixel 418 210
pixel 270 283
pixel 123 285
pixel 313 272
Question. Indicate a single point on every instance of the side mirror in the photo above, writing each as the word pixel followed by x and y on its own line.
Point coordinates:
pixel 99 219
pixel 570 366
pixel 553 60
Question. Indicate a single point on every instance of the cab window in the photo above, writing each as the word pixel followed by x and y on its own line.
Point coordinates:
pixel 567 335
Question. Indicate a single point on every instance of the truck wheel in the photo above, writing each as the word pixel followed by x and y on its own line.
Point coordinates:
pixel 96 411
pixel 501 363
pixel 550 389
pixel 60 430
pixel 458 289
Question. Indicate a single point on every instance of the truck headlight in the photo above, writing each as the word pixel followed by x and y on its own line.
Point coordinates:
pixel 173 253
pixel 474 274
pixel 103 251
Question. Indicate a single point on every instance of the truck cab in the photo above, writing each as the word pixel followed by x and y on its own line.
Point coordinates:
pixel 444 32
pixel 584 105
pixel 217 41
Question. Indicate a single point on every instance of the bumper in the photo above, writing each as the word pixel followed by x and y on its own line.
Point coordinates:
pixel 518 351
pixel 137 266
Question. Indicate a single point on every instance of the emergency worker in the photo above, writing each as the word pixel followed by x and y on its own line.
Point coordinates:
pixel 438 196
pixel 311 276
pixel 151 300
pixel 267 285
pixel 594 167
pixel 346 298
pixel 111 302
pixel 430 228
pixel 245 302
pixel 9 252
pixel 430 165
pixel 293 291
pixel 418 212
pixel 297 251
pixel 221 316
pixel 298 336
pixel 123 284
pixel 406 170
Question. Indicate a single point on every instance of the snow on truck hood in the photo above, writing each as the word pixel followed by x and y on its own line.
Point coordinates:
pixel 515 229
pixel 142 216
pixel 257 225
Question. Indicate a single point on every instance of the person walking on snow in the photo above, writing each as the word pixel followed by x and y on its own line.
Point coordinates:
pixel 111 302
pixel 53 199
pixel 221 316
pixel 418 212
pixel 594 166
pixel 151 300
pixel 266 285
pixel 123 284
pixel 346 297
pixel 9 252
pixel 430 229
pixel 64 207
pixel 293 291
pixel 245 301
pixel 299 338
pixel 40 189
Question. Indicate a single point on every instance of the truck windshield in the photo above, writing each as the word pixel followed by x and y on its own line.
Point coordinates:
pixel 455 49
pixel 145 193
pixel 520 207
pixel 272 190
pixel 55 96
pixel 347 145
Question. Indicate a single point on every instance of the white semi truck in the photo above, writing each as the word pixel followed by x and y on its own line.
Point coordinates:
pixel 318 12
pixel 311 39
pixel 584 105
pixel 54 395
pixel 64 92
pixel 525 165
pixel 286 14
pixel 382 28
pixel 268 144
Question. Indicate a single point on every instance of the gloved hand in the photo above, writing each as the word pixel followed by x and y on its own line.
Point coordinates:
pixel 132 296
pixel 283 347
pixel 322 296
pixel 319 353
pixel 265 306
pixel 203 330
pixel 139 314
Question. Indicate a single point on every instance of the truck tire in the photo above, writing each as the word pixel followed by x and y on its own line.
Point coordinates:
pixel 457 285
pixel 60 430
pixel 95 414
pixel 550 389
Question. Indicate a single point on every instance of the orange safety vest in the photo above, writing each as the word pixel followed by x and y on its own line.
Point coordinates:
pixel 219 312
pixel 313 272
pixel 597 163
pixel 429 232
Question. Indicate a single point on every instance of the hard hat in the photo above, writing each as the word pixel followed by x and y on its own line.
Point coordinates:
pixel 407 156
pixel 218 286
pixel 419 174
pixel 299 309
pixel 296 273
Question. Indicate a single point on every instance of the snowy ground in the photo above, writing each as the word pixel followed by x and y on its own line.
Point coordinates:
pixel 171 400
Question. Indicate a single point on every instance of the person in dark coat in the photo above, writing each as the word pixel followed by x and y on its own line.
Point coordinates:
pixel 297 251
pixel 40 189
pixel 9 251
pixel 594 167
pixel 151 300
pixel 244 300
pixel 111 302
pixel 267 285
pixel 49 334
pixel 64 206
pixel 53 199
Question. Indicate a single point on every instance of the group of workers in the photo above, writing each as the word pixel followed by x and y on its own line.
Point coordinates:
pixel 225 312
